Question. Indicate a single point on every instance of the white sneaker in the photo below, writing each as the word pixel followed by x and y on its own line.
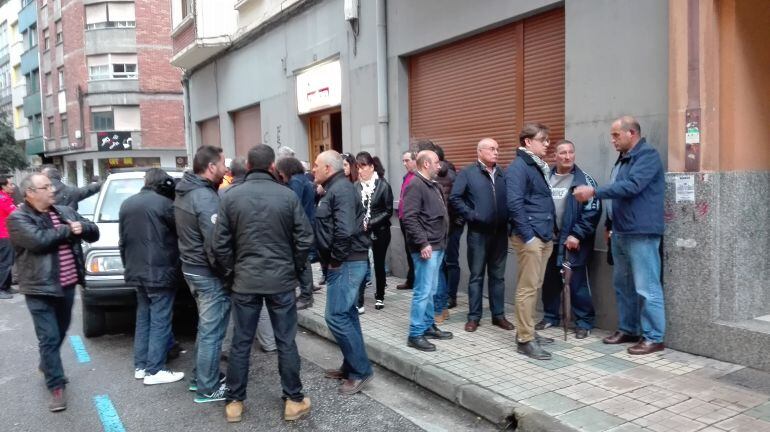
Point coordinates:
pixel 139 373
pixel 163 377
pixel 361 310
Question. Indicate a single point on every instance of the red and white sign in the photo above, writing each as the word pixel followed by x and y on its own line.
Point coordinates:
pixel 319 87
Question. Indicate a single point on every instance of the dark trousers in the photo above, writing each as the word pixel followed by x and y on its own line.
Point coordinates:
pixel 380 243
pixel 409 261
pixel 51 317
pixel 452 260
pixel 283 314
pixel 152 335
pixel 580 294
pixel 306 282
pixel 6 264
pixel 487 252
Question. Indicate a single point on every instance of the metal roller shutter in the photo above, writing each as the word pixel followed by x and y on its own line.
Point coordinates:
pixel 479 86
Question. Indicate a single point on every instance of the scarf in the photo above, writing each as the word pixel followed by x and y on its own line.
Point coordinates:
pixel 367 190
pixel 544 168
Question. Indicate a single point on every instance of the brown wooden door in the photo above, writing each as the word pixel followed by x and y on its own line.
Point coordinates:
pixel 320 136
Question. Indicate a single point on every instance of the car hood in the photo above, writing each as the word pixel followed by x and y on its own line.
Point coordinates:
pixel 108 236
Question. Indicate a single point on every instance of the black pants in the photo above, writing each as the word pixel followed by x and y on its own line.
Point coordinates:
pixel 283 315
pixel 51 317
pixel 380 243
pixel 6 264
pixel 410 273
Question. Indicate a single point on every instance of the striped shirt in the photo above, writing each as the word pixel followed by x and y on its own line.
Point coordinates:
pixel 68 273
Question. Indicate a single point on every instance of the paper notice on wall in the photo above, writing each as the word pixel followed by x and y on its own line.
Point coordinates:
pixel 685 188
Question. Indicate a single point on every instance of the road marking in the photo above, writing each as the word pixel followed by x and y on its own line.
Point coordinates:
pixel 80 349
pixel 108 415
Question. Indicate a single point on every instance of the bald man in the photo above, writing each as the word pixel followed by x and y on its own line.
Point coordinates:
pixel 344 246
pixel 479 196
pixel 634 201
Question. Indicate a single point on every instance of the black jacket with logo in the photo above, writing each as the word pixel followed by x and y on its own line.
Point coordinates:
pixel 37 247
pixel 148 240
pixel 339 223
pixel 195 211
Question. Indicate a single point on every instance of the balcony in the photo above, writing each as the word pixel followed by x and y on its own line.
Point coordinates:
pixel 32 105
pixel 113 85
pixel 35 146
pixel 30 60
pixel 28 16
pixel 110 40
pixel 195 41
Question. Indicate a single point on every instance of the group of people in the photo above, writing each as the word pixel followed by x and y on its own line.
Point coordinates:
pixel 250 245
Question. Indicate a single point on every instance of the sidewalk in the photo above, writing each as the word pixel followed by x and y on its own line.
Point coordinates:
pixel 586 386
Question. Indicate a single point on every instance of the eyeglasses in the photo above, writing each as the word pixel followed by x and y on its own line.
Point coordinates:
pixel 542 140
pixel 49 186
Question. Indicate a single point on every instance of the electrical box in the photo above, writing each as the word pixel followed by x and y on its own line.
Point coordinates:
pixel 351 10
pixel 78 135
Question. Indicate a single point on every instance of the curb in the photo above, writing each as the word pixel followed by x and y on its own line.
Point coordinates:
pixel 492 406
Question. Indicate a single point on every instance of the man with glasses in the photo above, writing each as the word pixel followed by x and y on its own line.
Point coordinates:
pixel 7 188
pixel 50 263
pixel 479 196
pixel 533 220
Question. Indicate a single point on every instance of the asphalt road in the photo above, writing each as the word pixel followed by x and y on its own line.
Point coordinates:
pixel 388 403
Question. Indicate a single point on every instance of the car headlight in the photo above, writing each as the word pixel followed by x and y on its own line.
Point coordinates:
pixel 104 264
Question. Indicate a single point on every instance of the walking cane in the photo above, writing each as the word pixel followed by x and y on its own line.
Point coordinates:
pixel 566 276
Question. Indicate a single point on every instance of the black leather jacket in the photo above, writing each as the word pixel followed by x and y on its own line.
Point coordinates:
pixel 37 247
pixel 381 208
pixel 339 223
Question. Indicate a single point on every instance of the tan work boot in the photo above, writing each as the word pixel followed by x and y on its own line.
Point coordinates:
pixel 296 410
pixel 234 411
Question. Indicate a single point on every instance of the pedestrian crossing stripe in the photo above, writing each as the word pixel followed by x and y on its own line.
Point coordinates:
pixel 107 414
pixel 80 349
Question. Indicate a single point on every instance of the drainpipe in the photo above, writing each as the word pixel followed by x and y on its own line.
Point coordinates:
pixel 382 79
pixel 188 142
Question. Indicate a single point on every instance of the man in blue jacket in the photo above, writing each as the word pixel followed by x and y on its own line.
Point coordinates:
pixel 576 225
pixel 479 197
pixel 637 191
pixel 531 215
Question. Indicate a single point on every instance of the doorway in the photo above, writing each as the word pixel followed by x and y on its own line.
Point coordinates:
pixel 324 132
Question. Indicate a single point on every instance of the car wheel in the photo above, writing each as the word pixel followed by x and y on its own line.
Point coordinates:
pixel 93 321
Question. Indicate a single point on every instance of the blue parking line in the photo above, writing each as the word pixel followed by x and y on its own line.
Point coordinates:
pixel 108 415
pixel 80 349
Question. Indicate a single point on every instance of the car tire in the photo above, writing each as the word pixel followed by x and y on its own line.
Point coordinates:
pixel 93 321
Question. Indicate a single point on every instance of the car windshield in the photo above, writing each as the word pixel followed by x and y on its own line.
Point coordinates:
pixel 117 191
pixel 86 206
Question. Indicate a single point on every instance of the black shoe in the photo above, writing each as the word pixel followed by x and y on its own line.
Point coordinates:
pixel 543 324
pixel 532 349
pixel 175 351
pixel 435 333
pixel 452 303
pixel 542 340
pixel 420 343
pixel 304 303
pixel 581 333
pixel 404 286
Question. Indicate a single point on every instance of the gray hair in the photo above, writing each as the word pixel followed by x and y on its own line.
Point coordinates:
pixel 333 159
pixel 284 151
pixel 27 184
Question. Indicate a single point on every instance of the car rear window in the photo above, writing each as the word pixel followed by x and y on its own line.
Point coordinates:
pixel 117 191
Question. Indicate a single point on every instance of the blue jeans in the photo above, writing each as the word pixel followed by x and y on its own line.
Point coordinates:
pixel 580 294
pixel 487 252
pixel 213 315
pixel 426 275
pixel 636 277
pixel 341 315
pixel 51 317
pixel 154 308
pixel 452 260
pixel 247 313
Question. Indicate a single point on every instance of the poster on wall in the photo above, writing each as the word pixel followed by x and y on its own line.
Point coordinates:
pixel 114 141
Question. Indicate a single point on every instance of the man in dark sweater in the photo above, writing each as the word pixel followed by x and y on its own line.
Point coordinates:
pixel 426 223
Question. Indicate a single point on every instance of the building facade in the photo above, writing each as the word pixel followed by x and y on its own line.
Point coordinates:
pixel 29 70
pixel 377 75
pixel 110 97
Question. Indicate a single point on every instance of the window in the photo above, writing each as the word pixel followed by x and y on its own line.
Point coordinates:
pixel 59 34
pixel 50 127
pixel 112 66
pixel 115 118
pixel 180 9
pixel 33 82
pixel 101 119
pixel 46 39
pixel 110 15
pixel 30 38
pixel 4 39
pixel 48 84
pixel 64 130
pixel 5 80
pixel 61 78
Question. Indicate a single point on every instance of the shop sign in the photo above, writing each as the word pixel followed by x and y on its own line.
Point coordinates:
pixel 319 87
pixel 114 141
pixel 120 162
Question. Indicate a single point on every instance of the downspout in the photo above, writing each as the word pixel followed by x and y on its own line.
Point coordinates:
pixel 382 78
pixel 187 118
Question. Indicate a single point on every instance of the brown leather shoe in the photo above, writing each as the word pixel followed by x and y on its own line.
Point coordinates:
pixel 619 337
pixel 352 386
pixel 335 374
pixel 471 325
pixel 503 323
pixel 646 347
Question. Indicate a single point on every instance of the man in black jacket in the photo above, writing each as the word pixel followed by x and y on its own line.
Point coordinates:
pixel 69 195
pixel 195 212
pixel 479 196
pixel 344 246
pixel 261 241
pixel 426 223
pixel 49 261
pixel 150 254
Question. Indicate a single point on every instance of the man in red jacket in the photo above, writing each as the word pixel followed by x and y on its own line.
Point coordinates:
pixel 7 207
